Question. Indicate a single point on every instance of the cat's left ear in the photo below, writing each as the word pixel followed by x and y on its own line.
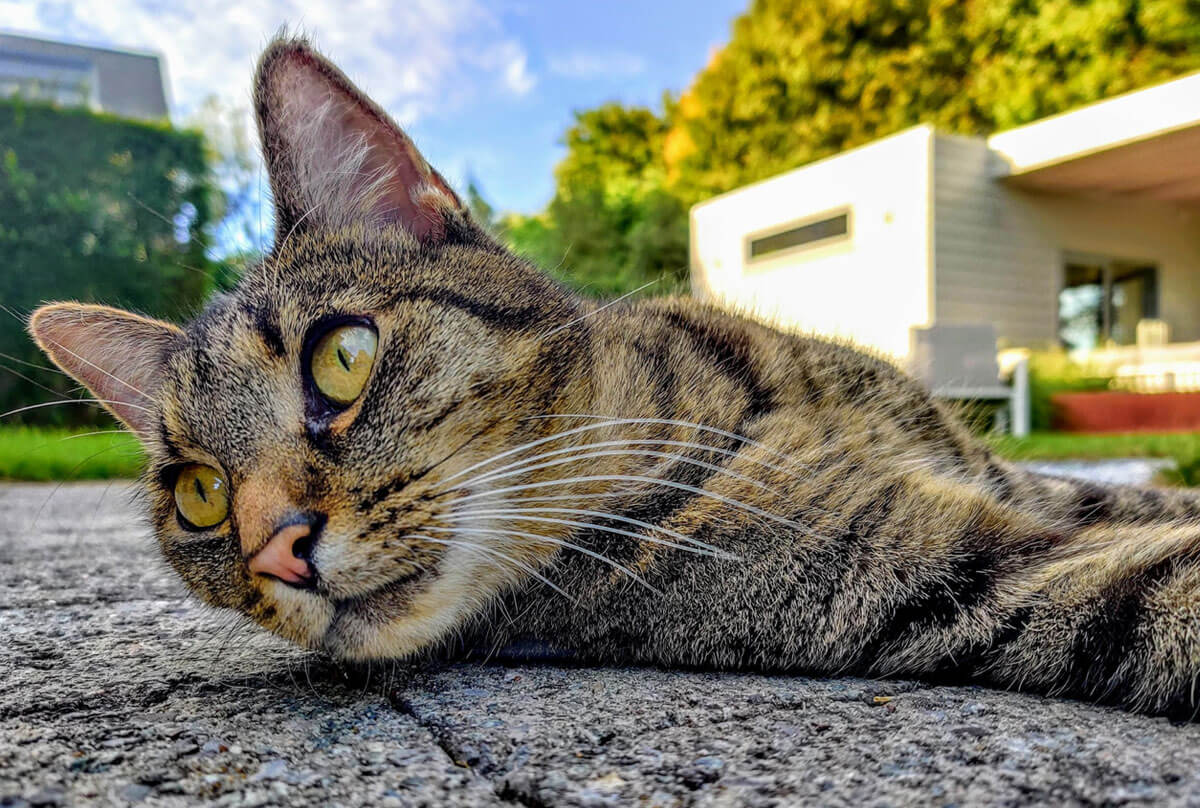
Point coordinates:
pixel 119 356
pixel 335 157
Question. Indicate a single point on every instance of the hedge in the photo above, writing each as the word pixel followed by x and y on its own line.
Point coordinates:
pixel 94 208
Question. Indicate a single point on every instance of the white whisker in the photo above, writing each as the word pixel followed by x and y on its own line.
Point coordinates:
pixel 482 548
pixel 629 453
pixel 557 542
pixel 519 516
pixel 602 424
pixel 71 401
pixel 116 379
pixel 632 478
pixel 632 442
pixel 596 311
pixel 602 515
pixel 607 419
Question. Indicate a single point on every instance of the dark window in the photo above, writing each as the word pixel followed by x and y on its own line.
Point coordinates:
pixel 805 235
pixel 1103 300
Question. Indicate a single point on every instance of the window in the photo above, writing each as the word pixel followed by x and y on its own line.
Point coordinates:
pixel 1102 300
pixel 68 82
pixel 801 236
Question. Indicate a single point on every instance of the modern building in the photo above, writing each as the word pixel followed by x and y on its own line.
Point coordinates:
pixel 1080 230
pixel 123 82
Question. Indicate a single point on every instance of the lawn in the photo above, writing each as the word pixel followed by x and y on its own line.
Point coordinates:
pixel 1183 447
pixel 40 453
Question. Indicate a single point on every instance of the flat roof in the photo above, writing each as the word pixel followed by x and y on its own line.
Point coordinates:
pixel 1144 144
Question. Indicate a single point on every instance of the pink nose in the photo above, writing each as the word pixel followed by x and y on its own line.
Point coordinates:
pixel 280 557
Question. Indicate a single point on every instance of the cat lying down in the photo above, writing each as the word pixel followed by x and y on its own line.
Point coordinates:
pixel 395 437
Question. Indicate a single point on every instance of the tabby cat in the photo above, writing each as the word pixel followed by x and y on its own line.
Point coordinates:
pixel 394 436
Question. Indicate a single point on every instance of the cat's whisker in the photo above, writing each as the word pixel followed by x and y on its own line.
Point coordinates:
pixel 69 476
pixel 117 379
pixel 630 453
pixel 490 551
pixel 523 516
pixel 39 405
pixel 610 419
pixel 605 422
pixel 90 434
pixel 597 310
pixel 34 365
pixel 637 479
pixel 601 515
pixel 555 541
pixel 615 443
pixel 34 382
pixel 295 224
pixel 166 219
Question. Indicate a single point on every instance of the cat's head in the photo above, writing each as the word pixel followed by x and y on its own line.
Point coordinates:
pixel 309 433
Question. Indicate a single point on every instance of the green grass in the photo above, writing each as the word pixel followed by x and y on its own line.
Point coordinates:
pixel 1183 447
pixel 42 453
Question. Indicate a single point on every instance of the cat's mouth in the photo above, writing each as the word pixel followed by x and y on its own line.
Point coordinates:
pixel 384 599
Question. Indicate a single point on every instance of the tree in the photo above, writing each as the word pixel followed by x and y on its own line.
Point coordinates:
pixel 95 208
pixel 801 81
pixel 611 227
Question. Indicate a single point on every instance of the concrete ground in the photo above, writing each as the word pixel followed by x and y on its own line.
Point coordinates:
pixel 117 689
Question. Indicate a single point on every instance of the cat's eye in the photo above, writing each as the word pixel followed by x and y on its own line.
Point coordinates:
pixel 341 362
pixel 201 495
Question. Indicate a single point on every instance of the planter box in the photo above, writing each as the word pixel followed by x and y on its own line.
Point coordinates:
pixel 1126 412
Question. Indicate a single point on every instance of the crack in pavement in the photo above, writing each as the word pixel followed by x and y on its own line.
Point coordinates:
pixel 117 698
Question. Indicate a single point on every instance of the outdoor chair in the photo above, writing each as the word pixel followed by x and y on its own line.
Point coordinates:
pixel 959 362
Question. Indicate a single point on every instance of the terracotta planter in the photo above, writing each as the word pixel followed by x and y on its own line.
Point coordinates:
pixel 1126 412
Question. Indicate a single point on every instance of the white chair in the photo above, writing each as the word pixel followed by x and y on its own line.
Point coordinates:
pixel 959 362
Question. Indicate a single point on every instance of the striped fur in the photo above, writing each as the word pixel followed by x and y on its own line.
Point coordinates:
pixel 651 482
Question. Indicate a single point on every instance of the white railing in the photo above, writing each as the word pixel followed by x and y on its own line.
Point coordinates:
pixel 1169 368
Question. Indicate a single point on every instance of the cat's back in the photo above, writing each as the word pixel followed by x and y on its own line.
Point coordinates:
pixel 775 386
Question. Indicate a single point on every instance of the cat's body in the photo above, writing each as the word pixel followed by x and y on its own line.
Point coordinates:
pixel 496 464
pixel 913 550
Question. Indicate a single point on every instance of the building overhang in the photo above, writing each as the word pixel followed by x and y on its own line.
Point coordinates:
pixel 1143 145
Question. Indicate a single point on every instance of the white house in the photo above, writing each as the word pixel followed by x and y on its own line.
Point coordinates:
pixel 123 82
pixel 1071 230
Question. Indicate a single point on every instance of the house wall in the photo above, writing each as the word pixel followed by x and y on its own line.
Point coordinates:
pixel 871 288
pixel 998 251
pixel 126 83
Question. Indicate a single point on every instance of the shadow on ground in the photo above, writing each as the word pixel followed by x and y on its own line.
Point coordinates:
pixel 115 689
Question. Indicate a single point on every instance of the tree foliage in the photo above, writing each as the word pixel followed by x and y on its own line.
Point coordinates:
pixel 95 208
pixel 799 81
pixel 612 226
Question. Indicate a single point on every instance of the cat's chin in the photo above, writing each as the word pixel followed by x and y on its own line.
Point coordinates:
pixel 401 618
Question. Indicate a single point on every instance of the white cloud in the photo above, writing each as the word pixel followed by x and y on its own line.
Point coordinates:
pixel 414 56
pixel 587 65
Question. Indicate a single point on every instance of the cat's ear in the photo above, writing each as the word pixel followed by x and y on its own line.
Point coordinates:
pixel 334 157
pixel 117 355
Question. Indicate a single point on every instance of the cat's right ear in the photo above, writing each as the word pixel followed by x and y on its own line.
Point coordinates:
pixel 119 356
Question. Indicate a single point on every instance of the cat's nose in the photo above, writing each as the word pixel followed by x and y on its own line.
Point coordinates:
pixel 287 555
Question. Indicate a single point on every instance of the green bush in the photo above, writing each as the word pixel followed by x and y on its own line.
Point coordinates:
pixel 1055 372
pixel 94 208
pixel 53 453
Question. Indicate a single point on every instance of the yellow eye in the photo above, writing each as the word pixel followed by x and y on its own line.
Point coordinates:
pixel 341 362
pixel 202 495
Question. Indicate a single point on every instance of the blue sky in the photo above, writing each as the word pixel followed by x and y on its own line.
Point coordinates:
pixel 485 87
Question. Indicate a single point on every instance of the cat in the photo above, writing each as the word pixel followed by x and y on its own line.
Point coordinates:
pixel 395 437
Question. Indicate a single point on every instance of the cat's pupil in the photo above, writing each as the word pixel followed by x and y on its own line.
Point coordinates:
pixel 200 490
pixel 343 357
